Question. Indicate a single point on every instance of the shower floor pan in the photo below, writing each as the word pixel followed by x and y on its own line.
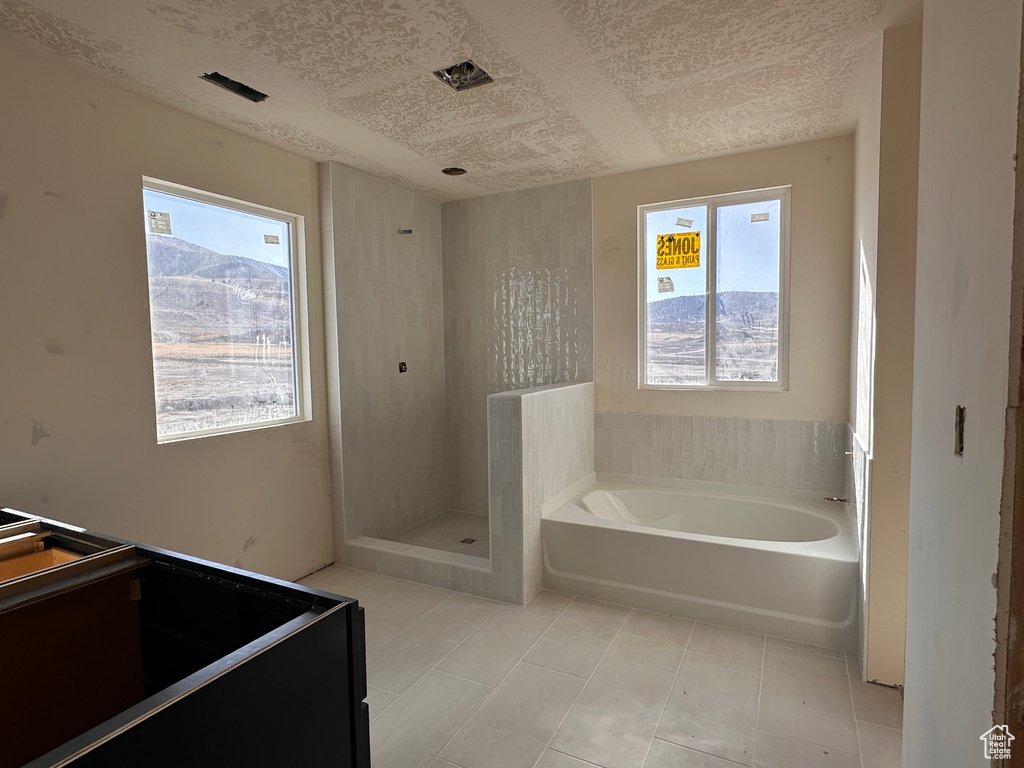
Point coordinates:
pixel 460 532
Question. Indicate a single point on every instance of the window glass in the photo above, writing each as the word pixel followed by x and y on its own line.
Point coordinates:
pixel 676 295
pixel 221 312
pixel 747 303
pixel 713 300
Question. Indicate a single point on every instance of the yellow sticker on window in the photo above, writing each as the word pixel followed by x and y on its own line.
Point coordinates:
pixel 679 250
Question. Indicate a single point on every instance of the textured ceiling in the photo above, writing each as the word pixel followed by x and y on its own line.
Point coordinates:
pixel 581 87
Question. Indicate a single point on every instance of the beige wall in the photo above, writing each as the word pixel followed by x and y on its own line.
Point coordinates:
pixel 961 344
pixel 75 346
pixel 865 258
pixel 889 505
pixel 821 173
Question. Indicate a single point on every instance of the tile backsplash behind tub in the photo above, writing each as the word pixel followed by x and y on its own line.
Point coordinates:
pixel 775 453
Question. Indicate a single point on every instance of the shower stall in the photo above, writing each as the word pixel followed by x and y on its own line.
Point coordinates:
pixel 432 307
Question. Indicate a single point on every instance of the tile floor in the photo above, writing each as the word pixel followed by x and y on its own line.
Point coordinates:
pixel 568 682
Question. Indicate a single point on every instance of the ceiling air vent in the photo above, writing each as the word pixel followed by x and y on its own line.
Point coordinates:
pixel 463 76
pixel 234 86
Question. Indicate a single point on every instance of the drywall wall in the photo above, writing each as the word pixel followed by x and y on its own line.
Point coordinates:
pixel 867 141
pixel 518 308
pixel 821 174
pixel 889 506
pixel 965 228
pixel 77 413
pixel 882 346
pixel 384 301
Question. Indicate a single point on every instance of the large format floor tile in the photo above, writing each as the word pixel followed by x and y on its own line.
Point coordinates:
pixel 874 703
pixel 377 701
pixel 368 590
pixel 410 732
pixel 713 707
pixel 880 747
pixel 410 654
pixel 577 640
pixel 468 608
pixel 830 652
pixel 665 754
pixel 807 697
pixel 377 634
pixel 408 604
pixel 776 751
pixel 457 681
pixel 491 652
pixel 334 577
pixel 613 722
pixel 514 726
pixel 653 640
pixel 729 643
pixel 552 759
pixel 549 604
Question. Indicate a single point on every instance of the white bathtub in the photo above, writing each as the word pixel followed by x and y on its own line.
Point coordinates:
pixel 786 567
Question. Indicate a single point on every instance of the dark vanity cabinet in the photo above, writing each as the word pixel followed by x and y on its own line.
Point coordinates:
pixel 117 654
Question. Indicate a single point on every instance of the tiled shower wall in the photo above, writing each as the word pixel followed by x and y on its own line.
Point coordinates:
pixel 557 451
pixel 804 455
pixel 518 307
pixel 540 442
pixel 384 305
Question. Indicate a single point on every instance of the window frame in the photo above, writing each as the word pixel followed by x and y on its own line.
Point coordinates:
pixel 299 313
pixel 783 194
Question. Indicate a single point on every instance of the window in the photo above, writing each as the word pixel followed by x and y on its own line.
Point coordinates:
pixel 222 303
pixel 713 303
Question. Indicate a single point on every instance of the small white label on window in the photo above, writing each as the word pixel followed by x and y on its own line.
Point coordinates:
pixel 755 217
pixel 684 223
pixel 272 239
pixel 159 223
pixel 665 285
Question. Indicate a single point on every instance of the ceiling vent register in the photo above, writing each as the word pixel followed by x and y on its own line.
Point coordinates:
pixel 463 76
pixel 241 89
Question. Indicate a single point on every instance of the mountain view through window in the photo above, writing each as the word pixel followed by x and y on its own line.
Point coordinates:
pixel 220 294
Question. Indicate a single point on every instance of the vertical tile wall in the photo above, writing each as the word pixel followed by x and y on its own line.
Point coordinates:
pixel 385 295
pixel 540 442
pixel 804 455
pixel 557 451
pixel 518 305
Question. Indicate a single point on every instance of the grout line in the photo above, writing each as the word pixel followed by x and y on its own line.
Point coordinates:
pixel 813 743
pixel 589 678
pixel 853 708
pixel 514 667
pixel 760 691
pixel 573 757
pixel 702 752
pixel 675 679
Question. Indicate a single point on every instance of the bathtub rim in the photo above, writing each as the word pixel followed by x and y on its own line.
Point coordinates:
pixel 838 635
pixel 843 546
